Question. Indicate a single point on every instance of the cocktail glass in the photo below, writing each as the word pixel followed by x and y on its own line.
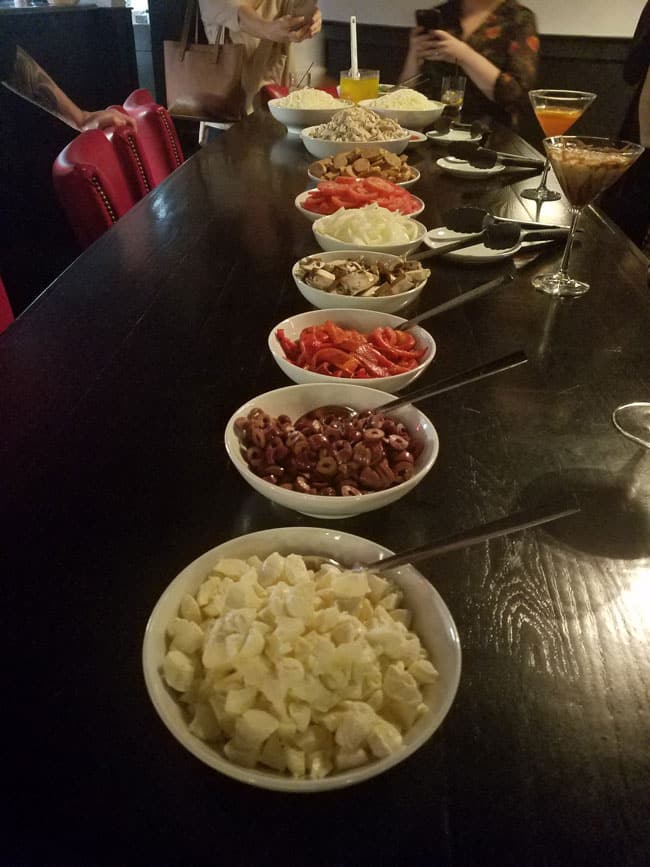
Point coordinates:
pixel 633 421
pixel 584 166
pixel 556 112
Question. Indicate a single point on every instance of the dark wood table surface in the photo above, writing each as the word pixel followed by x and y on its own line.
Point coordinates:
pixel 114 390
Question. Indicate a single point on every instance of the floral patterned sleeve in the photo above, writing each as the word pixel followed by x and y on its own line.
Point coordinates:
pixel 520 72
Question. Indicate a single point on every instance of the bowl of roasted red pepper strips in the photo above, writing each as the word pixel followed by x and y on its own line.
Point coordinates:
pixel 351 346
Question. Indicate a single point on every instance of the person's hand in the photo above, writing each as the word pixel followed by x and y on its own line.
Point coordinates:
pixel 287 28
pixel 316 23
pixel 103 119
pixel 421 43
pixel 443 46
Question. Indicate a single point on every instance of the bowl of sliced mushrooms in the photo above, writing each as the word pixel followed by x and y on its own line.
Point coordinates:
pixel 359 279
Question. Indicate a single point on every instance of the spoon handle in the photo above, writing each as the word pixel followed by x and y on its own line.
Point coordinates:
pixel 472 375
pixel 463 298
pixel 482 533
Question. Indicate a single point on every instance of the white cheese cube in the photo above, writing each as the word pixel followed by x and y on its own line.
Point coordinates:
pixel 231 567
pixel 378 587
pixel 241 755
pixel 423 671
pixel 384 739
pixel 300 713
pixel 400 686
pixel 347 760
pixel 238 701
pixel 204 723
pixel 190 609
pixel 350 585
pixel 273 753
pixel 295 570
pixel 253 644
pixel 272 569
pixel 299 601
pixel 208 589
pixel 187 635
pixel 254 727
pixel 178 670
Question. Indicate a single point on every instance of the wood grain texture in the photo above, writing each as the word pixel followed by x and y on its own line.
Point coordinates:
pixel 116 387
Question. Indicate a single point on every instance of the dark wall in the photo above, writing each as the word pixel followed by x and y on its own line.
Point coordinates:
pixel 566 62
pixel 90 53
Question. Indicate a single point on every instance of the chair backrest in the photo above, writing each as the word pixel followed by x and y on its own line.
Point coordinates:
pixel 156 134
pixel 132 152
pixel 91 185
pixel 6 313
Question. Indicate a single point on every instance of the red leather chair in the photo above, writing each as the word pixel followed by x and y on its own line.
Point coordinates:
pixel 92 186
pixel 6 313
pixel 156 134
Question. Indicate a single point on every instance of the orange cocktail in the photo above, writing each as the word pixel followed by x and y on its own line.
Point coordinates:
pixel 556 121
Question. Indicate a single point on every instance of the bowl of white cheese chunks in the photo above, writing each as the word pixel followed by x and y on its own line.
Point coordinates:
pixel 298 679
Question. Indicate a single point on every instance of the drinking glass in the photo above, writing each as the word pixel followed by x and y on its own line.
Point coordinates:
pixel 363 85
pixel 556 112
pixel 584 167
pixel 453 94
pixel 633 421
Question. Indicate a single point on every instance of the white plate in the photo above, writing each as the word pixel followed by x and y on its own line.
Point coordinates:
pixel 454 135
pixel 410 183
pixel 465 170
pixel 312 215
pixel 478 254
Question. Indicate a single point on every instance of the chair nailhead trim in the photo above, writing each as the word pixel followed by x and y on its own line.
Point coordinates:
pixel 104 198
pixel 172 141
pixel 136 157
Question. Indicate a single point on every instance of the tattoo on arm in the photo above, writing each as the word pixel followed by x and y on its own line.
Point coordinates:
pixel 32 82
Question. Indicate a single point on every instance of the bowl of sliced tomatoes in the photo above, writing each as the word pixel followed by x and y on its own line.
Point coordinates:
pixel 345 192
pixel 351 346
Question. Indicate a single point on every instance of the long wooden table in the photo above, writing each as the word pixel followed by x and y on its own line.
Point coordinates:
pixel 115 388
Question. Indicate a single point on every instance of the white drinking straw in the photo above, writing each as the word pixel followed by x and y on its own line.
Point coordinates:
pixel 354 66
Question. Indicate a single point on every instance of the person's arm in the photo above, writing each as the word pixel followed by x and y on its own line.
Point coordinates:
pixel 421 44
pixel 30 81
pixel 286 28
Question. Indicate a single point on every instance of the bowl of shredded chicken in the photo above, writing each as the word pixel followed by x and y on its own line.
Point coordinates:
pixel 351 127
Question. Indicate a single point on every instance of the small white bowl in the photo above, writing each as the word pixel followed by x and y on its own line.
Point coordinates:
pixel 296 400
pixel 328 242
pixel 408 118
pixel 327 300
pixel 296 119
pixel 312 216
pixel 409 183
pixel 361 320
pixel 432 622
pixel 321 148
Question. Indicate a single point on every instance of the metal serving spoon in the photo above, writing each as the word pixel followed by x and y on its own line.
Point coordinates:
pixel 499 365
pixel 456 541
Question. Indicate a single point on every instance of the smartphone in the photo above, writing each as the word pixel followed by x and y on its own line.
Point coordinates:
pixel 430 19
pixel 305 8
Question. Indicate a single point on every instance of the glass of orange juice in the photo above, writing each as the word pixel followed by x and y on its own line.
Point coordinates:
pixel 556 112
pixel 363 85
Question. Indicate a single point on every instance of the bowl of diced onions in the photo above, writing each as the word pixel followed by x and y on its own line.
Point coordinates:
pixel 322 680
pixel 320 279
pixel 369 228
pixel 409 108
pixel 305 107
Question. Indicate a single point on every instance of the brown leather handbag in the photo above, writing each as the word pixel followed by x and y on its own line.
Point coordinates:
pixel 204 82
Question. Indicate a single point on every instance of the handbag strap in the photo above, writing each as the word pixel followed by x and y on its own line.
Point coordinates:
pixel 192 12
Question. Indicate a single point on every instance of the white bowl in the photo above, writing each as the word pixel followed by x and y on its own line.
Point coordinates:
pixel 296 400
pixel 361 320
pixel 432 622
pixel 321 148
pixel 295 119
pixel 408 118
pixel 327 300
pixel 327 242
pixel 312 216
pixel 409 183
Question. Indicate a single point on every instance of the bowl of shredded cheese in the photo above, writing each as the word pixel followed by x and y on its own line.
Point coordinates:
pixel 407 107
pixel 305 107
pixel 298 680
pixel 351 127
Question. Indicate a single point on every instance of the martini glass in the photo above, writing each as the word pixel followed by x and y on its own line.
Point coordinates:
pixel 633 421
pixel 556 112
pixel 585 167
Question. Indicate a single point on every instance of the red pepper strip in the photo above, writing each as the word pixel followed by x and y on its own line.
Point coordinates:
pixel 337 358
pixel 375 363
pixel 290 348
pixel 385 340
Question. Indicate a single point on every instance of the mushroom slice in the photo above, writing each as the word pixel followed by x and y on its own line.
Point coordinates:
pixel 358 283
pixel 322 279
